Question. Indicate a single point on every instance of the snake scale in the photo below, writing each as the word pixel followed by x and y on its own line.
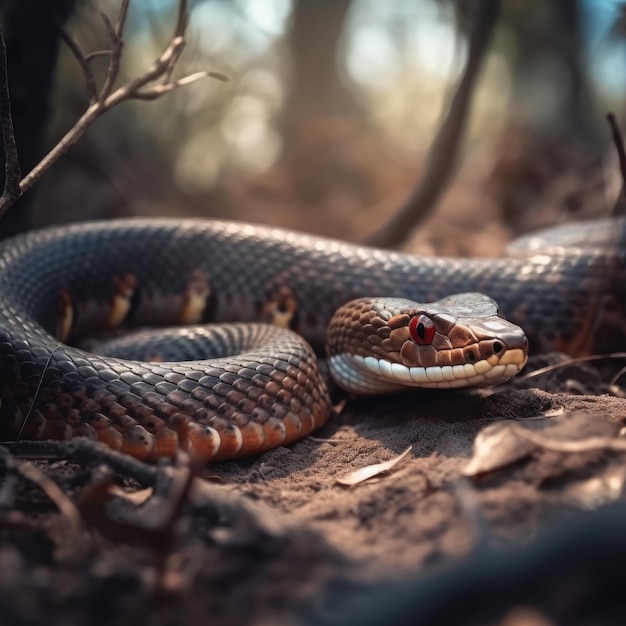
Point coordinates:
pixel 61 284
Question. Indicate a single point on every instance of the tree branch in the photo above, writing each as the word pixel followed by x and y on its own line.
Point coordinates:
pixel 618 140
pixel 442 156
pixel 83 60
pixel 99 102
pixel 115 37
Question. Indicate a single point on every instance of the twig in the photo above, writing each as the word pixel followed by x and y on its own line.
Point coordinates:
pixel 572 361
pixel 81 57
pixel 158 90
pixel 35 395
pixel 100 102
pixel 115 37
pixel 621 153
pixel 53 491
pixel 88 453
pixel 12 169
pixel 46 484
pixel 181 26
pixel 96 54
pixel 441 158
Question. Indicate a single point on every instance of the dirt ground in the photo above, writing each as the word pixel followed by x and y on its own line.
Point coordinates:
pixel 278 540
pixel 506 509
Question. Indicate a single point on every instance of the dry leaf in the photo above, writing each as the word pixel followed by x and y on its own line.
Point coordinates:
pixel 599 490
pixel 369 471
pixel 136 497
pixel 340 406
pixel 504 443
pixel 497 446
pixel 590 444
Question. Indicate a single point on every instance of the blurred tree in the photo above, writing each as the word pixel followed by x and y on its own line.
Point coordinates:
pixel 548 67
pixel 314 42
pixel 32 38
pixel 319 108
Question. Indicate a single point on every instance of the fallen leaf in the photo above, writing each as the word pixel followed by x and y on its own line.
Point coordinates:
pixel 503 443
pixel 497 446
pixel 590 444
pixel 369 471
pixel 340 406
pixel 136 497
pixel 598 490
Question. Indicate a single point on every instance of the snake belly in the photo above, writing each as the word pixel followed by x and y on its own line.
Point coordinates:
pixel 60 284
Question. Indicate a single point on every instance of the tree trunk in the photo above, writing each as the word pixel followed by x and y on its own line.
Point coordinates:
pixel 32 40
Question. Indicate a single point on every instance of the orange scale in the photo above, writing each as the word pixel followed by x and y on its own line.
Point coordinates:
pixel 59 430
pixel 253 439
pixel 293 427
pixel 275 433
pixel 73 417
pixel 307 421
pixel 125 422
pixel 84 430
pixel 36 426
pixel 111 437
pixel 179 423
pixel 138 442
pixel 231 441
pixel 201 442
pixel 98 421
pixel 166 443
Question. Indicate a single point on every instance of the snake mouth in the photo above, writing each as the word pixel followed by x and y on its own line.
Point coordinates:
pixel 369 375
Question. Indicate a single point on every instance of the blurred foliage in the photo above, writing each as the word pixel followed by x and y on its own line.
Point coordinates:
pixel 328 108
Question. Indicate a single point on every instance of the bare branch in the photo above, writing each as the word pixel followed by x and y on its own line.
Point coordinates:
pixel 121 19
pixel 12 171
pixel 181 26
pixel 138 88
pixel 618 140
pixel 159 90
pixel 90 56
pixel 182 20
pixel 114 60
pixel 83 60
pixel 153 73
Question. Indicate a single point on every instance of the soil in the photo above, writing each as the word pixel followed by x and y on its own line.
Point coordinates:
pixel 277 539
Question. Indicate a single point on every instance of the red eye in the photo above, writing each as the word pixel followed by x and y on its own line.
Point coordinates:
pixel 422 330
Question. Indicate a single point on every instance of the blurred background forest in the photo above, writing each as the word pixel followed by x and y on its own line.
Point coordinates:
pixel 330 110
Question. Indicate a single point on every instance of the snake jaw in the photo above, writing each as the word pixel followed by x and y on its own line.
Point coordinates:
pixel 369 375
pixel 472 346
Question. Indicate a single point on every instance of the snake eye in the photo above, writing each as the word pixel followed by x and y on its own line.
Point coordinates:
pixel 422 329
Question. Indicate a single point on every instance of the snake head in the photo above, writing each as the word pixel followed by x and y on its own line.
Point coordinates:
pixel 378 345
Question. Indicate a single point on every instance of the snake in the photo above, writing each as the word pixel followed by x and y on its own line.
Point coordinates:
pixel 388 321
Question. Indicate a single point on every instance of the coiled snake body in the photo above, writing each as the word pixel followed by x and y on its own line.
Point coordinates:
pixel 58 285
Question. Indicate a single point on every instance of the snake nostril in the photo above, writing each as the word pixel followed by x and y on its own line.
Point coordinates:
pixel 497 347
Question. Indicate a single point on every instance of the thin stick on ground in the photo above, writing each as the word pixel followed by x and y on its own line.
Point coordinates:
pixel 571 361
pixel 45 483
pixel 86 453
pixel 140 88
